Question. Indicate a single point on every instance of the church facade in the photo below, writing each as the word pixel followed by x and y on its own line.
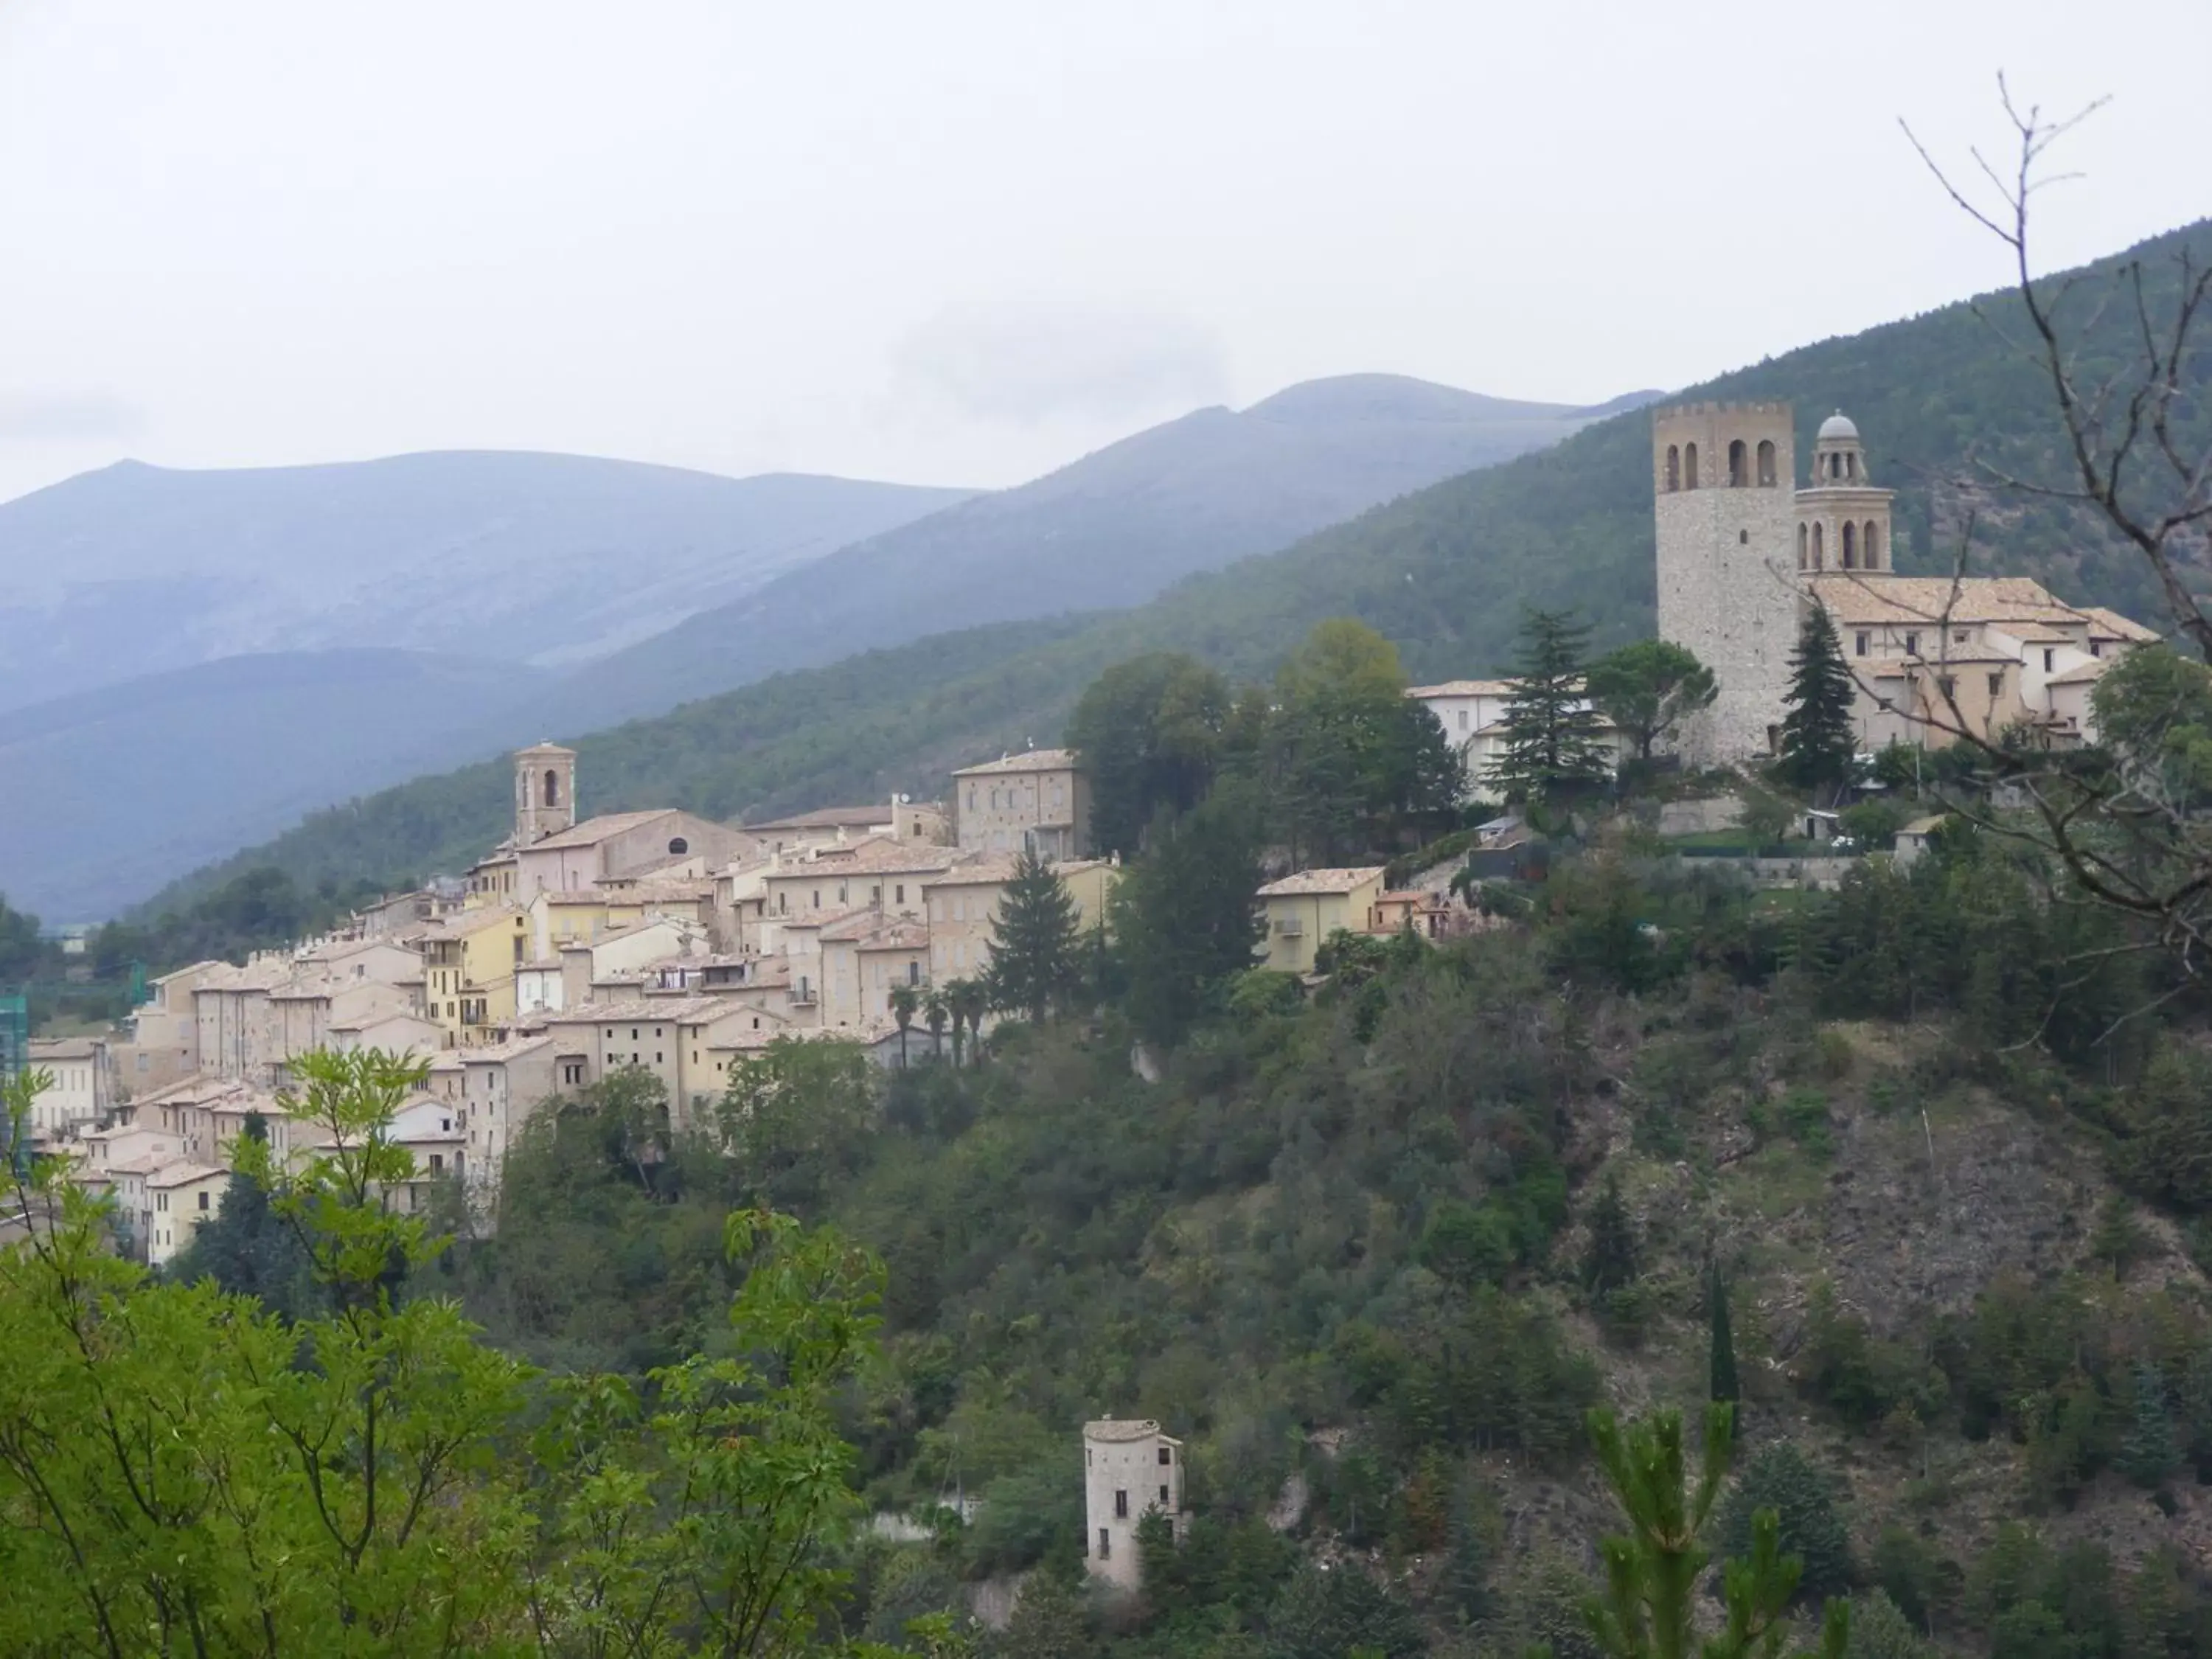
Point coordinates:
pixel 1745 552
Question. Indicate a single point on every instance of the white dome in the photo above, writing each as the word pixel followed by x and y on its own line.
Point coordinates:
pixel 1837 425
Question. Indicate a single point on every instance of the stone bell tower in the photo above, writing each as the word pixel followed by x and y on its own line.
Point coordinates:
pixel 1723 481
pixel 544 792
pixel 1843 521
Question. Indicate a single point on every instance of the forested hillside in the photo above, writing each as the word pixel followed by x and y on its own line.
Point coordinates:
pixel 1445 573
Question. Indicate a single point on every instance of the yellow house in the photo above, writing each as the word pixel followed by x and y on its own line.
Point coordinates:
pixel 1304 910
pixel 469 962
pixel 962 908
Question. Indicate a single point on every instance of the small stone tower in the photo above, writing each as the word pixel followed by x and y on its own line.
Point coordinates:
pixel 1128 1467
pixel 1843 521
pixel 544 792
pixel 1723 478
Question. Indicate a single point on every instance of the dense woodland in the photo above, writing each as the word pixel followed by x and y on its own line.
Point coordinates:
pixel 1445 573
pixel 1888 1172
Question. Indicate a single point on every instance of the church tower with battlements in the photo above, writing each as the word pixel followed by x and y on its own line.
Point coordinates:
pixel 1724 484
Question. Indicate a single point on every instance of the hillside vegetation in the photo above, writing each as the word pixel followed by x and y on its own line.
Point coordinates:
pixel 1444 572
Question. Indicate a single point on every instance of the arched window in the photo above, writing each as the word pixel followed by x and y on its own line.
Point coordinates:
pixel 1851 545
pixel 1739 465
pixel 1870 546
pixel 1689 466
pixel 1820 546
pixel 1802 540
pixel 1674 467
pixel 1766 463
pixel 552 787
pixel 677 847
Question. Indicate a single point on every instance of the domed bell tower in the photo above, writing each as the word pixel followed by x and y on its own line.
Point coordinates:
pixel 544 792
pixel 1843 520
pixel 1723 477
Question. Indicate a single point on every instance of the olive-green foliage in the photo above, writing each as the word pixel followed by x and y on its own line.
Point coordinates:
pixel 1861 1376
pixel 1880 1631
pixel 1326 1612
pixel 2034 1600
pixel 1184 916
pixel 1149 733
pixel 1818 742
pixel 1036 955
pixel 1648 689
pixel 1809 1504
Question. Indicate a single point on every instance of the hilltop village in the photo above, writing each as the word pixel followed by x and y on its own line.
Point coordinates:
pixel 660 941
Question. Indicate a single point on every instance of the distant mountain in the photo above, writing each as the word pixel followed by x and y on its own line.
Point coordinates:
pixel 1112 529
pixel 1445 572
pixel 543 559
pixel 112 793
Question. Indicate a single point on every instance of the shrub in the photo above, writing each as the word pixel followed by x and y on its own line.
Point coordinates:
pixel 1809 1506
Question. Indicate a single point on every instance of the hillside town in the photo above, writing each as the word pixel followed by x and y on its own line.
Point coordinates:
pixel 661 942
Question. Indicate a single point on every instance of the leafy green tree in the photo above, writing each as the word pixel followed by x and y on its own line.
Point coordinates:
pixel 247 1249
pixel 1721 1367
pixel 1646 1608
pixel 1614 1255
pixel 1186 916
pixel 1035 956
pixel 1817 743
pixel 1550 730
pixel 905 1002
pixel 935 1012
pixel 2153 710
pixel 1148 732
pixel 797 1117
pixel 1880 1631
pixel 20 947
pixel 966 1001
pixel 1328 1613
pixel 2148 1453
pixel 1051 1620
pixel 1808 1510
pixel 1649 688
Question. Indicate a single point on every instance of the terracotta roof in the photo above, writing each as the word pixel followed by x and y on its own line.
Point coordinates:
pixel 183 1174
pixel 494 1053
pixel 1321 881
pixel 2088 673
pixel 830 817
pixel 665 890
pixel 2110 624
pixel 592 831
pixel 877 855
pixel 545 749
pixel 466 922
pixel 992 870
pixel 1463 689
pixel 1030 760
pixel 64 1048
pixel 1118 1429
pixel 1933 601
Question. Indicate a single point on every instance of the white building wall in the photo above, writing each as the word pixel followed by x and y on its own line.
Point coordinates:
pixel 1124 1477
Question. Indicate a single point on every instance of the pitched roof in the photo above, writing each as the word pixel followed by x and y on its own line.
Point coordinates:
pixel 462 923
pixel 1114 1429
pixel 1463 689
pixel 1028 760
pixel 183 1174
pixel 1932 600
pixel 1323 881
pixel 2087 674
pixel 830 817
pixel 592 831
pixel 64 1048
pixel 877 855
pixel 2110 624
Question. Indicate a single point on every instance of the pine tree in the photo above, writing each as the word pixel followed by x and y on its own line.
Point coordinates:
pixel 1613 1251
pixel 1034 958
pixel 1818 744
pixel 1723 1380
pixel 2148 1455
pixel 1550 730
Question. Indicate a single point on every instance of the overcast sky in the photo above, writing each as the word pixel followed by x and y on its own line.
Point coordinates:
pixel 961 243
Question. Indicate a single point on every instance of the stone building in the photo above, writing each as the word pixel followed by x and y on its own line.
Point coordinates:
pixel 1129 1468
pixel 1726 514
pixel 1039 798
pixel 1743 553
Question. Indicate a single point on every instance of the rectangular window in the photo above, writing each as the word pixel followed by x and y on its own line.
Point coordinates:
pixel 1912 645
pixel 1996 683
pixel 1860 644
pixel 203 1200
pixel 1167 1457
pixel 1105 1544
pixel 2049 658
pixel 1164 1497
pixel 1120 1506
pixel 1947 686
pixel 1462 719
pixel 900 894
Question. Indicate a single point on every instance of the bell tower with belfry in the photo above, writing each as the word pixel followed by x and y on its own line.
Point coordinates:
pixel 1724 485
pixel 544 792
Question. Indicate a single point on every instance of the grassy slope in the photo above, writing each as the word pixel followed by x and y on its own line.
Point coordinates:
pixel 1444 571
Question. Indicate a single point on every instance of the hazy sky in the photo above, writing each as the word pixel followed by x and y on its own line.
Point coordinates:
pixel 960 243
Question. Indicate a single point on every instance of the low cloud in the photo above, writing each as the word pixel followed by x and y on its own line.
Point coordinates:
pixel 1024 364
pixel 33 416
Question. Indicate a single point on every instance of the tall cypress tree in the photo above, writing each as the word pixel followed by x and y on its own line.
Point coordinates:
pixel 1550 730
pixel 1034 959
pixel 1724 1385
pixel 1818 744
